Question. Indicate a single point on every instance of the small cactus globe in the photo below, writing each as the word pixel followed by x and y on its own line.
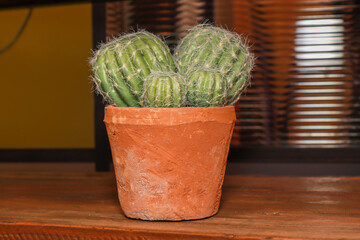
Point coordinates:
pixel 164 90
pixel 206 88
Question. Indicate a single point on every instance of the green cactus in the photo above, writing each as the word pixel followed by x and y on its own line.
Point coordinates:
pixel 215 48
pixel 206 88
pixel 164 90
pixel 120 66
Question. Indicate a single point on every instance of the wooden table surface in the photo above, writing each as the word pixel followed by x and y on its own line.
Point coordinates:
pixel 55 205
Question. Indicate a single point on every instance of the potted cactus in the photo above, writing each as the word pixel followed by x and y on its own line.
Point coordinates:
pixel 170 118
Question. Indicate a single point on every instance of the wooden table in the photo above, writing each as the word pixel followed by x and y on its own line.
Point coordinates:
pixel 50 205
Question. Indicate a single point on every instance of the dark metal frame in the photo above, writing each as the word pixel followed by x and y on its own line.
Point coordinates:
pixel 47 155
pixel 102 146
pixel 35 3
pixel 295 155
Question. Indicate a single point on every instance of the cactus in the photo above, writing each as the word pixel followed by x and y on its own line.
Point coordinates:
pixel 121 65
pixel 206 88
pixel 215 48
pixel 164 90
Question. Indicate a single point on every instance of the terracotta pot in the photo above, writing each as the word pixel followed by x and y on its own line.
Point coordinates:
pixel 169 162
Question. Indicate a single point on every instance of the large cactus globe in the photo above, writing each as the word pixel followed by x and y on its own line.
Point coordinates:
pixel 218 49
pixel 120 67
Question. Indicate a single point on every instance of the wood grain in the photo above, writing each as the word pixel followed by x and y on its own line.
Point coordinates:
pixel 58 205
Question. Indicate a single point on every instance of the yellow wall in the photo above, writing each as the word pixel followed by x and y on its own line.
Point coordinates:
pixel 46 97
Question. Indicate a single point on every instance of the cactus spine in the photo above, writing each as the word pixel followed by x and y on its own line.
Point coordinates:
pixel 164 90
pixel 121 66
pixel 206 88
pixel 216 48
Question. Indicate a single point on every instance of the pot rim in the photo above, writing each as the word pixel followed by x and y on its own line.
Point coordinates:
pixel 174 108
pixel 168 116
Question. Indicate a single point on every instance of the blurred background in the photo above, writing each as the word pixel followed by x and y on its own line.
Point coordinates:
pixel 300 116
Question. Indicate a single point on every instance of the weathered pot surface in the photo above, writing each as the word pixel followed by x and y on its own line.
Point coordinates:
pixel 169 162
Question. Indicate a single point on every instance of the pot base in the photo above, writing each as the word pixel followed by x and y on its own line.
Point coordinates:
pixel 169 218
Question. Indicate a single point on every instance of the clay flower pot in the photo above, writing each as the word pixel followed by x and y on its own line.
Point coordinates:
pixel 169 162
